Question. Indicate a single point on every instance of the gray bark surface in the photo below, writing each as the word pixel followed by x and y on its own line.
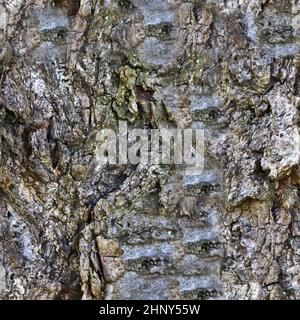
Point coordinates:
pixel 71 228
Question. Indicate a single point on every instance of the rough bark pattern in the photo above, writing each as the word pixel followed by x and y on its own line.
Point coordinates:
pixel 71 228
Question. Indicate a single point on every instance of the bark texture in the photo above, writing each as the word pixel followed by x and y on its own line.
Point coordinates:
pixel 71 228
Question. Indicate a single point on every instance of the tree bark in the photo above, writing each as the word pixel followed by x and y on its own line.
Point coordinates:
pixel 72 228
